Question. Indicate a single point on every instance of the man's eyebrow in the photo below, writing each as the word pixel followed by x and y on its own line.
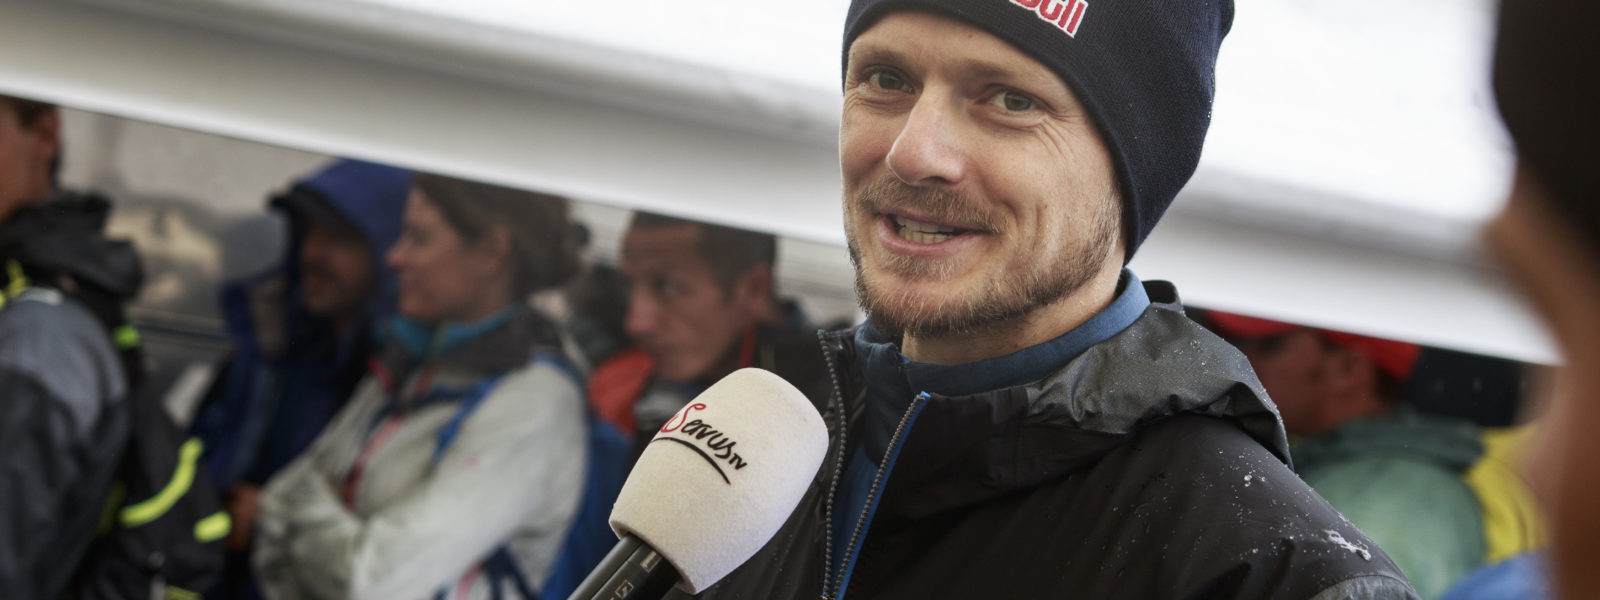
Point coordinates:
pixel 1039 79
pixel 873 54
pixel 866 54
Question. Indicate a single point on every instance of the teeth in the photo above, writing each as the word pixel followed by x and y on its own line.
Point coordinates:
pixel 922 232
pixel 922 227
pixel 924 238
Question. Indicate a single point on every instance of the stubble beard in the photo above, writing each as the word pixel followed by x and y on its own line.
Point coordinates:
pixel 1012 290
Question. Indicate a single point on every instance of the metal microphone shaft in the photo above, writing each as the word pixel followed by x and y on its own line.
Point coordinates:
pixel 631 571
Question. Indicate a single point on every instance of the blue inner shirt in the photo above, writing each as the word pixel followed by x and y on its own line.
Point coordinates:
pixel 892 381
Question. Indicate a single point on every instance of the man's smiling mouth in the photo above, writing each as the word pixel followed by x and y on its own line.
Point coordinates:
pixel 923 232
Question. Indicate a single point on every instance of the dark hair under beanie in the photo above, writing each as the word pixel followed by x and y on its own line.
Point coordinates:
pixel 1547 82
pixel 1142 68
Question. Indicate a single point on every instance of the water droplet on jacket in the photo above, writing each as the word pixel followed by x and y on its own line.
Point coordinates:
pixel 1336 538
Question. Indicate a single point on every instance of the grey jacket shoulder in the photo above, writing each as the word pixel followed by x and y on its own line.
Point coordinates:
pixel 1372 587
pixel 62 430
pixel 61 346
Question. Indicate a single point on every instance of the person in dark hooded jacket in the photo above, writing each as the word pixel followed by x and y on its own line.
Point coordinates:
pixel 67 357
pixel 303 335
pixel 1021 416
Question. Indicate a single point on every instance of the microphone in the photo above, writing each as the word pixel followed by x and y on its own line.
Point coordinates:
pixel 711 488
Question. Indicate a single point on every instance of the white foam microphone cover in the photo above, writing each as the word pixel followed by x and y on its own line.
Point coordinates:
pixel 720 478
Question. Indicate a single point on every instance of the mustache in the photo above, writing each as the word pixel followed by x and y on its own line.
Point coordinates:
pixel 317 269
pixel 889 194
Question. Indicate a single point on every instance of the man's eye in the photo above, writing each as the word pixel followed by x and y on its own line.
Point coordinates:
pixel 887 80
pixel 668 289
pixel 1014 101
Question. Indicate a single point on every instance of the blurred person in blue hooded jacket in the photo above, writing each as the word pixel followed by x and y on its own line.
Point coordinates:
pixel 303 333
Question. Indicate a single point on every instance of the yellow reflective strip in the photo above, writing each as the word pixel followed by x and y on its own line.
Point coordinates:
pixel 125 337
pixel 213 528
pixel 178 593
pixel 182 478
pixel 108 513
pixel 19 280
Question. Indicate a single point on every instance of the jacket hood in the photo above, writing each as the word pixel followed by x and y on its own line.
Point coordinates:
pixel 965 449
pixel 264 310
pixel 370 198
pixel 65 234
pixel 1450 443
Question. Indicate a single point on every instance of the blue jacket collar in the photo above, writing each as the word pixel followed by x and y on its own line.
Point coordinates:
pixel 892 379
pixel 428 340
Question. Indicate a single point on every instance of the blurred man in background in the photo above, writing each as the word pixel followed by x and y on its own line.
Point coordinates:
pixel 701 303
pixel 1434 491
pixel 303 333
pixel 66 386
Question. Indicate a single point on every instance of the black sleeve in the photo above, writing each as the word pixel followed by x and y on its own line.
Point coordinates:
pixel 41 450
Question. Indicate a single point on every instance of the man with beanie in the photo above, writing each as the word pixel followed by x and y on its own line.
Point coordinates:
pixel 303 334
pixel 1020 416
pixel 1547 84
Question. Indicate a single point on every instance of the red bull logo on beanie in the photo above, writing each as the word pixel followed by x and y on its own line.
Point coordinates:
pixel 1066 14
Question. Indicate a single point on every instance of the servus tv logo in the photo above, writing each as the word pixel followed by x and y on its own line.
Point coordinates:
pixel 714 445
pixel 1066 14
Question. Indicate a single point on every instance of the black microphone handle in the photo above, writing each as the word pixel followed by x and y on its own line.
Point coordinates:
pixel 631 571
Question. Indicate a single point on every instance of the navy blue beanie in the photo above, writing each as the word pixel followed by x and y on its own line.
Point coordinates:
pixel 1142 68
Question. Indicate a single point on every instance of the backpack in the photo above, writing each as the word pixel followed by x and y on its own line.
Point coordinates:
pixel 161 533
pixel 162 528
pixel 590 538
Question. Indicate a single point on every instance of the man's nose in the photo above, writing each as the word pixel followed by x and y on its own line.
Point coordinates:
pixel 927 150
pixel 312 248
pixel 643 314
pixel 395 256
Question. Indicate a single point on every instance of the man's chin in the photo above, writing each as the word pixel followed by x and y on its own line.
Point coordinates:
pixel 917 309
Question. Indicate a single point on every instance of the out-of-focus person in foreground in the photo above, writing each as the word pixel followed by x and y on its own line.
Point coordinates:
pixel 1021 416
pixel 1547 84
pixel 64 380
pixel 458 465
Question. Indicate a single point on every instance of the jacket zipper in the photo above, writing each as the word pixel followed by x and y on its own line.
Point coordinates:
pixel 837 581
pixel 842 418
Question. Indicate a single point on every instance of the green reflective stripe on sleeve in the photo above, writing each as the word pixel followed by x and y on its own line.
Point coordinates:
pixel 213 528
pixel 182 478
pixel 108 514
pixel 178 593
pixel 18 281
pixel 125 337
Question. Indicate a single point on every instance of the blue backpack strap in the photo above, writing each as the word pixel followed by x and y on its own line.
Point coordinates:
pixel 589 539
pixel 561 364
pixel 500 566
pixel 469 400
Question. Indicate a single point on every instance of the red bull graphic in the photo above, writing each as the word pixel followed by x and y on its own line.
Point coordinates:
pixel 1066 14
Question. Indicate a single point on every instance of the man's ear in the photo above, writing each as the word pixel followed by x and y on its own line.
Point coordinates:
pixel 46 129
pixel 752 292
pixel 496 244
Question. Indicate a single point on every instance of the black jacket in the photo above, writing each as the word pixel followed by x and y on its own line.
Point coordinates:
pixel 1151 466
pixel 63 387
